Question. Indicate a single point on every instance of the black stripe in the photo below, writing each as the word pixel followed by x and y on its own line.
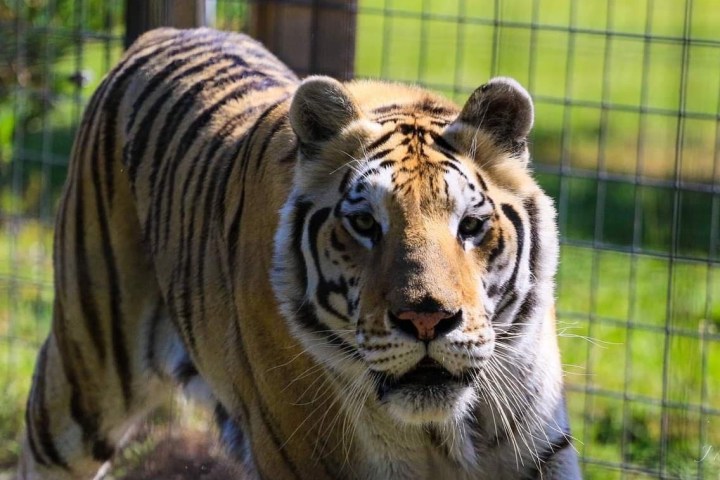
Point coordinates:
pixel 378 155
pixel 121 357
pixel 443 144
pixel 261 406
pixel 481 180
pixel 448 164
pixel 279 123
pixel 92 111
pixel 91 318
pixel 205 228
pixel 246 156
pixel 429 107
pixel 380 141
pixel 228 286
pixel 231 159
pixel 345 181
pixel 82 411
pixel 306 316
pixel 301 211
pixel 279 445
pixel 527 307
pixel 409 129
pixel 215 204
pixel 514 217
pixel 387 109
pixel 182 274
pixel 325 287
pixel 265 415
pixel 30 429
pixel 506 301
pixel 532 212
pixel 499 248
pixel 244 147
pixel 390 118
pixel 40 409
pixel 335 242
pixel 150 360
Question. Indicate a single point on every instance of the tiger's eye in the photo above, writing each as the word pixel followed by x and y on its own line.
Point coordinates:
pixel 470 226
pixel 363 223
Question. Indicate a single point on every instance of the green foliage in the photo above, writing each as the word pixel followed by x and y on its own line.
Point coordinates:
pixel 37 35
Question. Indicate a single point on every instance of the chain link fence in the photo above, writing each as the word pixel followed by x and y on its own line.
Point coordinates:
pixel 627 141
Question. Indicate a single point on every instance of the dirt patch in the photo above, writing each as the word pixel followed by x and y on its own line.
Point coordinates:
pixel 179 456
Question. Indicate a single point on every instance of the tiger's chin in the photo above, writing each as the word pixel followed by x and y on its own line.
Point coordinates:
pixel 430 405
pixel 427 395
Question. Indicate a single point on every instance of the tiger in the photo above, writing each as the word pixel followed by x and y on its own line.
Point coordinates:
pixel 356 278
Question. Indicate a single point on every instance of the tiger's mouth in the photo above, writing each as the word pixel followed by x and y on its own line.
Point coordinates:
pixel 427 375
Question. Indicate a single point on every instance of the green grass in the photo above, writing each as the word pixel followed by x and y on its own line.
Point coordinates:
pixel 25 312
pixel 613 339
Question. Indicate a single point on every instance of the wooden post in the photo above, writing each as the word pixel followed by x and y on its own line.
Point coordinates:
pixel 144 15
pixel 310 36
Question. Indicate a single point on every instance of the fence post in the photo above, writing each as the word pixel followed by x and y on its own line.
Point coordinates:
pixel 310 36
pixel 144 15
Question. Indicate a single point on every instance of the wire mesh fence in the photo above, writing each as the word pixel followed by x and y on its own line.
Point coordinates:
pixel 627 141
pixel 52 55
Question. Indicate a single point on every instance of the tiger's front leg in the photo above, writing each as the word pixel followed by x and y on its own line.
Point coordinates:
pixel 562 466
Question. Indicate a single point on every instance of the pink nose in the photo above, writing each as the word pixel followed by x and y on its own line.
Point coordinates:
pixel 425 323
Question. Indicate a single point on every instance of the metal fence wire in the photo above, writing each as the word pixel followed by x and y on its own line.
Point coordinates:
pixel 627 141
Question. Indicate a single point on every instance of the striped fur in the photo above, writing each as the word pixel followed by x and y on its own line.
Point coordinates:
pixel 210 237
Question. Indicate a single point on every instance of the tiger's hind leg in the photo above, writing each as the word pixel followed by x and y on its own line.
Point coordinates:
pixel 77 413
pixel 102 368
pixel 74 424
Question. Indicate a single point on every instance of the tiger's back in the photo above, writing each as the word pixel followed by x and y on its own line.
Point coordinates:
pixel 207 238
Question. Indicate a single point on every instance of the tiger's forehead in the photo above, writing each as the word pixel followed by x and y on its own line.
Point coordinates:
pixel 424 115
pixel 413 163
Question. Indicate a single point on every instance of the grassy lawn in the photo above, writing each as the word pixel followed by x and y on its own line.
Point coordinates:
pixel 637 332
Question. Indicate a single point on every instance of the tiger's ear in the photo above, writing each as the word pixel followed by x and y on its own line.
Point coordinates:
pixel 503 109
pixel 320 109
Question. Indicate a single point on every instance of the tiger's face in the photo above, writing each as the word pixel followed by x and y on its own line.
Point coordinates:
pixel 401 258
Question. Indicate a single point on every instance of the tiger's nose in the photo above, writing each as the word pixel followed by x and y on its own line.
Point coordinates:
pixel 426 325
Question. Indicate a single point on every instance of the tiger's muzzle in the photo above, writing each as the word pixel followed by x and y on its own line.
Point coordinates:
pixel 425 325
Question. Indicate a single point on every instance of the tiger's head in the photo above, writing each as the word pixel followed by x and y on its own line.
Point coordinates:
pixel 414 241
